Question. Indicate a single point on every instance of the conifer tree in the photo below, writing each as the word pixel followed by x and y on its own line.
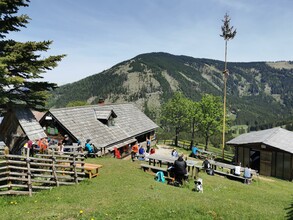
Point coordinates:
pixel 21 65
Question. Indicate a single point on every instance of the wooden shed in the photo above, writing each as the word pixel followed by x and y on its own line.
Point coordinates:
pixel 19 126
pixel 108 126
pixel 268 151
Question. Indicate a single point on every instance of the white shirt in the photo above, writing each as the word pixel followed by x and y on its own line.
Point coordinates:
pixel 237 170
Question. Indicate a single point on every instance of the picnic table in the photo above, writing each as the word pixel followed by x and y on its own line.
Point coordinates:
pixel 231 168
pixel 192 166
pixel 92 169
pixel 202 154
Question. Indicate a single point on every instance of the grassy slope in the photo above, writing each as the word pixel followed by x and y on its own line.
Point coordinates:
pixel 123 191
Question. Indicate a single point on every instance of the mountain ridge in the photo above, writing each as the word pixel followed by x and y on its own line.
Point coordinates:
pixel 149 79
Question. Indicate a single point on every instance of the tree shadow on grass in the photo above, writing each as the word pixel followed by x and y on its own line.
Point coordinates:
pixel 289 210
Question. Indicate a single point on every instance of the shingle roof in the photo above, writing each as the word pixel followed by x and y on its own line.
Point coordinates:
pixel 29 124
pixel 276 137
pixel 104 114
pixel 83 124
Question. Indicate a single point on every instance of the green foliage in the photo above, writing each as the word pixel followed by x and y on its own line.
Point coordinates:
pixel 209 116
pixel 103 85
pixel 20 64
pixel 175 114
pixel 76 103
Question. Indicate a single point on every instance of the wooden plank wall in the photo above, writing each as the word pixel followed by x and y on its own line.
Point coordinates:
pixel 265 163
pixel 21 175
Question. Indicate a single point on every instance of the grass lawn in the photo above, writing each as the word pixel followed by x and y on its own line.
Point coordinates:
pixel 123 191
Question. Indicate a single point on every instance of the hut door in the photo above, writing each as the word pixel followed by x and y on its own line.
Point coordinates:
pixel 265 163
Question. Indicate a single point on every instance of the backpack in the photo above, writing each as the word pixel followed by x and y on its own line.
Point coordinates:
pixel 210 172
pixel 160 177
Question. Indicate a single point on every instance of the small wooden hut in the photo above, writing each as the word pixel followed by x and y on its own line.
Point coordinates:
pixel 268 151
pixel 19 126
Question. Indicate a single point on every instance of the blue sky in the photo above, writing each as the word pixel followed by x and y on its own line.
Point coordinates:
pixel 97 34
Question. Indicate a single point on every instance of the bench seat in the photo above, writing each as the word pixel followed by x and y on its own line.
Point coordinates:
pixel 232 176
pixel 155 169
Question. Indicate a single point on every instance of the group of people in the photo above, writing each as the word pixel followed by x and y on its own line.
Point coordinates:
pixel 138 150
pixel 42 145
pixel 246 171
pixel 236 171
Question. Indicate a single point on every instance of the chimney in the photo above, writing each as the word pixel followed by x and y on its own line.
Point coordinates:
pixel 101 101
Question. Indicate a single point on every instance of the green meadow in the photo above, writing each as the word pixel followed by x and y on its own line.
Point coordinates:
pixel 124 191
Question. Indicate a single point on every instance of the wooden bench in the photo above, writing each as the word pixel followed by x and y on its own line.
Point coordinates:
pixel 232 176
pixel 155 169
pixel 92 169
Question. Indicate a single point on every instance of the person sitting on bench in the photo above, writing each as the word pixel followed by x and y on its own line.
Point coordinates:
pixel 247 174
pixel 237 170
pixel 88 147
pixel 207 167
pixel 194 151
pixel 180 169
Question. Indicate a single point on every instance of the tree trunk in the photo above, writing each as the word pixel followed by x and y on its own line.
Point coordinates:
pixel 176 136
pixel 207 143
pixel 192 134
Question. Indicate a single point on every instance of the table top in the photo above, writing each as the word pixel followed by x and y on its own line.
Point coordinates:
pixel 229 166
pixel 170 159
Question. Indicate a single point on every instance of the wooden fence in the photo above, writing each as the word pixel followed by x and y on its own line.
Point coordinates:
pixel 183 144
pixel 24 175
pixel 186 145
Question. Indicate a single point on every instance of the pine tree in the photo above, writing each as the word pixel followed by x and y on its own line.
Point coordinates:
pixel 21 65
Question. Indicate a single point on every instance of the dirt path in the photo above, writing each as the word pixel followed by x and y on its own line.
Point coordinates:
pixel 161 149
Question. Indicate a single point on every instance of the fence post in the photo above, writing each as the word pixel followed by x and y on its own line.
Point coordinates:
pixel 29 173
pixel 74 166
pixel 54 168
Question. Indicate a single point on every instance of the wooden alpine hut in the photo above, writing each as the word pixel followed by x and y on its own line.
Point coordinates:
pixel 268 151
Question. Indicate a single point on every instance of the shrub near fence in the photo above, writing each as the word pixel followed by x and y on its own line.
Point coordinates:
pixel 24 175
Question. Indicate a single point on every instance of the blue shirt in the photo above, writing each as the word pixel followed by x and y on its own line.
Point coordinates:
pixel 194 150
pixel 247 173
pixel 141 150
pixel 89 148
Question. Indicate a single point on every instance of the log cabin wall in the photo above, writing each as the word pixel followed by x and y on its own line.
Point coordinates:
pixel 273 162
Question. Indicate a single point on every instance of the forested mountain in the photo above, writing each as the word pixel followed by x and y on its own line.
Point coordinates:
pixel 258 92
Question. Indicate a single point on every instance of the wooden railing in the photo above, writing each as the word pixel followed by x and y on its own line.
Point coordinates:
pixel 186 145
pixel 183 144
pixel 21 175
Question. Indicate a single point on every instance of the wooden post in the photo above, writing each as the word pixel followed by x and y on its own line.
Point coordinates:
pixel 74 166
pixel 8 169
pixel 29 173
pixel 54 168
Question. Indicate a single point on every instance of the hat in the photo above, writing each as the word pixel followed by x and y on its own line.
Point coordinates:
pixel 66 135
pixel 88 140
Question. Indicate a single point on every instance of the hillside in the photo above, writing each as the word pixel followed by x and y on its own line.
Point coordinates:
pixel 124 191
pixel 258 92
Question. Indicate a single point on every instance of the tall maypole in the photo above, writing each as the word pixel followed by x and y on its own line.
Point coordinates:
pixel 228 34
